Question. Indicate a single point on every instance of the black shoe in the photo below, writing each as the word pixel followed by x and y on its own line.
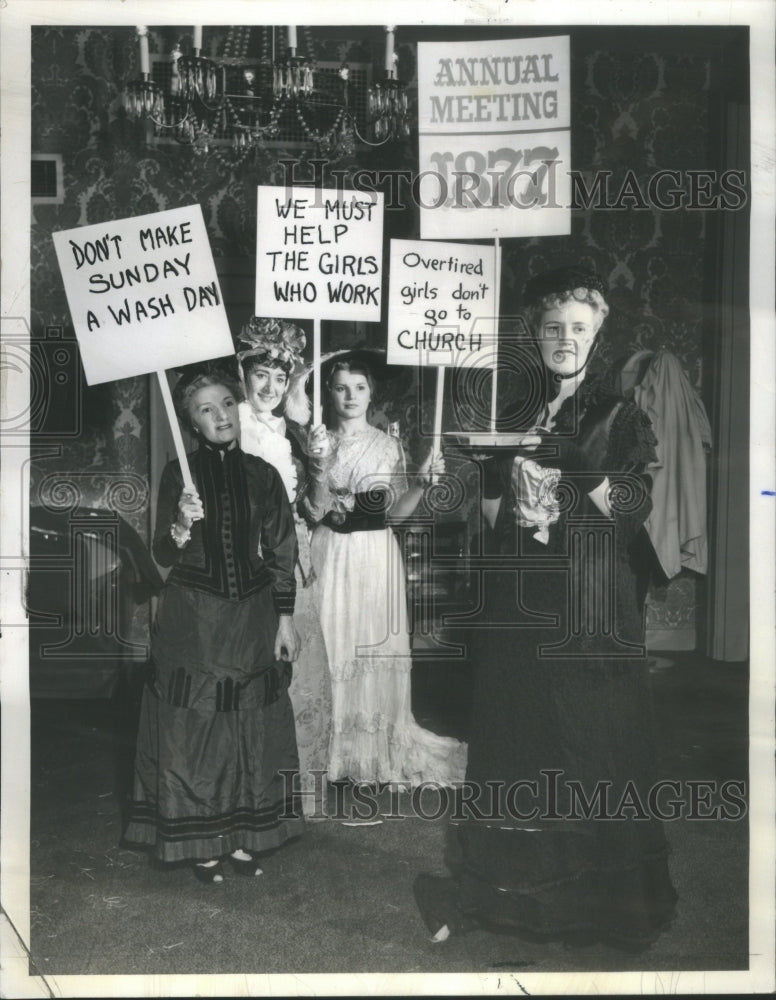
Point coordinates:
pixel 209 874
pixel 437 901
pixel 246 866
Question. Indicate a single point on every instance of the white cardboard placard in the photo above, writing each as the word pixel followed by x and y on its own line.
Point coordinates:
pixel 143 294
pixel 442 304
pixel 319 254
pixel 494 138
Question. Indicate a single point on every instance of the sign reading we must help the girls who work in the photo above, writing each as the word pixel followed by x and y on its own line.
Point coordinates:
pixel 319 254
pixel 143 294
pixel 494 138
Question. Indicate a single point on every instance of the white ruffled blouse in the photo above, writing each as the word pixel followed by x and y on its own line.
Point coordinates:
pixel 266 437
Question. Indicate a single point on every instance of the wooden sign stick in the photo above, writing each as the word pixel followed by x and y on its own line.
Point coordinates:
pixel 180 449
pixel 494 381
pixel 317 409
pixel 438 404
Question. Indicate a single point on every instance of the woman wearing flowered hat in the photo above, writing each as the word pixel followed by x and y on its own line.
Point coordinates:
pixel 272 425
pixel 561 718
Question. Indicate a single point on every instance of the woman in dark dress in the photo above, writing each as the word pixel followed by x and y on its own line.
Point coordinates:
pixel 563 844
pixel 216 726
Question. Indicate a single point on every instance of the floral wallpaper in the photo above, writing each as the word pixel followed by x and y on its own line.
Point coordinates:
pixel 110 172
pixel 636 112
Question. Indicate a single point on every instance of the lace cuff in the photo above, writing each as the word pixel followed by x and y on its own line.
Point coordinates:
pixel 181 536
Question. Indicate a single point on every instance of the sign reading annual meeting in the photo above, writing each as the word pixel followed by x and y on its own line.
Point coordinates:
pixel 319 254
pixel 143 294
pixel 494 138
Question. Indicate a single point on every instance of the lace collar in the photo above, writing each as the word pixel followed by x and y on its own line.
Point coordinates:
pixel 269 441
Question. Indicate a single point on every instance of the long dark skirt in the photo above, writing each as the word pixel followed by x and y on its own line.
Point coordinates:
pixel 216 751
pixel 574 851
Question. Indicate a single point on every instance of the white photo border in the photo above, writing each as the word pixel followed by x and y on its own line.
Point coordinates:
pixel 16 19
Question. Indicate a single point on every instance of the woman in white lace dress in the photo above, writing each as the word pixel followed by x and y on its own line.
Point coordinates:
pixel 356 490
pixel 271 426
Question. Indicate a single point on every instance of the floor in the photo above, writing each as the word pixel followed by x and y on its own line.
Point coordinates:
pixel 340 898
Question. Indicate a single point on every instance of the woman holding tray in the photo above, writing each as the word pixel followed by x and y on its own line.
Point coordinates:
pixel 565 845
pixel 357 489
pixel 216 730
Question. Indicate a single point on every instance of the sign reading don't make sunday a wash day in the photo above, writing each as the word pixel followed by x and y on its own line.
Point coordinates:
pixel 143 294
pixel 494 138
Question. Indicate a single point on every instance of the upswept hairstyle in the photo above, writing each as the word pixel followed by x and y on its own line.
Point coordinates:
pixel 191 382
pixel 565 284
pixel 357 367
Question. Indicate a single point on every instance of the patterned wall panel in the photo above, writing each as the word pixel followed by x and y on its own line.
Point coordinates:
pixel 630 113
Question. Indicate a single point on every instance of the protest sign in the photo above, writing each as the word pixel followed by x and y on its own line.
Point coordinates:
pixel 319 254
pixel 143 294
pixel 494 138
pixel 442 304
pixel 443 309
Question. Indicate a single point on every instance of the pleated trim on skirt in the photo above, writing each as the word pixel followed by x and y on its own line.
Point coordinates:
pixel 216 762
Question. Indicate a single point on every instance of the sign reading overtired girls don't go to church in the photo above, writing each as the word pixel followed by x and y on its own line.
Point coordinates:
pixel 442 304
pixel 494 138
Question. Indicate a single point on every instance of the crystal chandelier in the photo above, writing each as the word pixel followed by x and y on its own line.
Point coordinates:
pixel 387 100
pixel 244 103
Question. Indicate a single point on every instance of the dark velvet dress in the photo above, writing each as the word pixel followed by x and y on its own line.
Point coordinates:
pixel 216 726
pixel 562 844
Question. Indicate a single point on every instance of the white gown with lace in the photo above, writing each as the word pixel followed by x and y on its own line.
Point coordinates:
pixel 363 607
